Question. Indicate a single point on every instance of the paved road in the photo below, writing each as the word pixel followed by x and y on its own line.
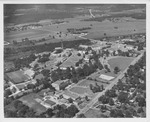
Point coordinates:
pixel 88 106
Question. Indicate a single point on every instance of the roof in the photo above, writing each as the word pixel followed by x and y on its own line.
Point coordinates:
pixel 17 76
pixel 50 102
pixel 106 77
pixel 58 82
pixel 29 72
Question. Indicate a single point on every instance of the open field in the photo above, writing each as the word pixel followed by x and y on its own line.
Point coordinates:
pixel 82 90
pixel 124 28
pixel 92 113
pixel 97 30
pixel 121 62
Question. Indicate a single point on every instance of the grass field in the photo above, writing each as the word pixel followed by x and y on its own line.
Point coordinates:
pixel 82 90
pixel 91 113
pixel 121 62
pixel 71 60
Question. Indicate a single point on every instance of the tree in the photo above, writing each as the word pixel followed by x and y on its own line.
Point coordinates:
pixel 7 93
pixel 74 79
pixel 111 101
pixel 104 99
pixel 30 86
pixel 70 100
pixel 122 97
pixel 10 113
pixel 141 101
pixel 140 110
pixel 81 116
pixel 49 112
pixel 86 70
pixel 17 104
pixel 72 110
pixel 116 70
pixel 128 114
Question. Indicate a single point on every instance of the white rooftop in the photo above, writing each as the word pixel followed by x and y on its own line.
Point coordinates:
pixel 106 77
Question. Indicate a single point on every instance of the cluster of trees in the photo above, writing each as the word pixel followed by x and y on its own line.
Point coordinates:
pixel 61 111
pixel 108 97
pixel 80 72
pixel 19 63
pixel 44 58
pixel 20 110
pixel 7 93
pixel 73 30
pixel 96 88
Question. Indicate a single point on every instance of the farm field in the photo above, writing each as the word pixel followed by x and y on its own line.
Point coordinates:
pixel 124 28
pixel 97 30
pixel 121 62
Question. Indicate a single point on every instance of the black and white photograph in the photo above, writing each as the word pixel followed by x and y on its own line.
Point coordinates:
pixel 74 60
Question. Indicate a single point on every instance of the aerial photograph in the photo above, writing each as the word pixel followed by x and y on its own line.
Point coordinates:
pixel 74 61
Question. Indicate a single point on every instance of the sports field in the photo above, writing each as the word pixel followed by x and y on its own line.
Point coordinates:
pixel 17 77
pixel 121 62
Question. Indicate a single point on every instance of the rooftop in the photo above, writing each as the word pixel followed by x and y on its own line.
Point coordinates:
pixel 51 103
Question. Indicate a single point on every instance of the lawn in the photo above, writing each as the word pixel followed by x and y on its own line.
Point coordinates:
pixel 71 60
pixel 19 35
pixel 86 83
pixel 82 90
pixel 121 62
pixel 92 113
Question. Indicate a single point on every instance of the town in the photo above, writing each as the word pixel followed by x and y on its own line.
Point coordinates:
pixel 82 78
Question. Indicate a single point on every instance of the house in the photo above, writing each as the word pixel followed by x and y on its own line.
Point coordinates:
pixel 61 84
